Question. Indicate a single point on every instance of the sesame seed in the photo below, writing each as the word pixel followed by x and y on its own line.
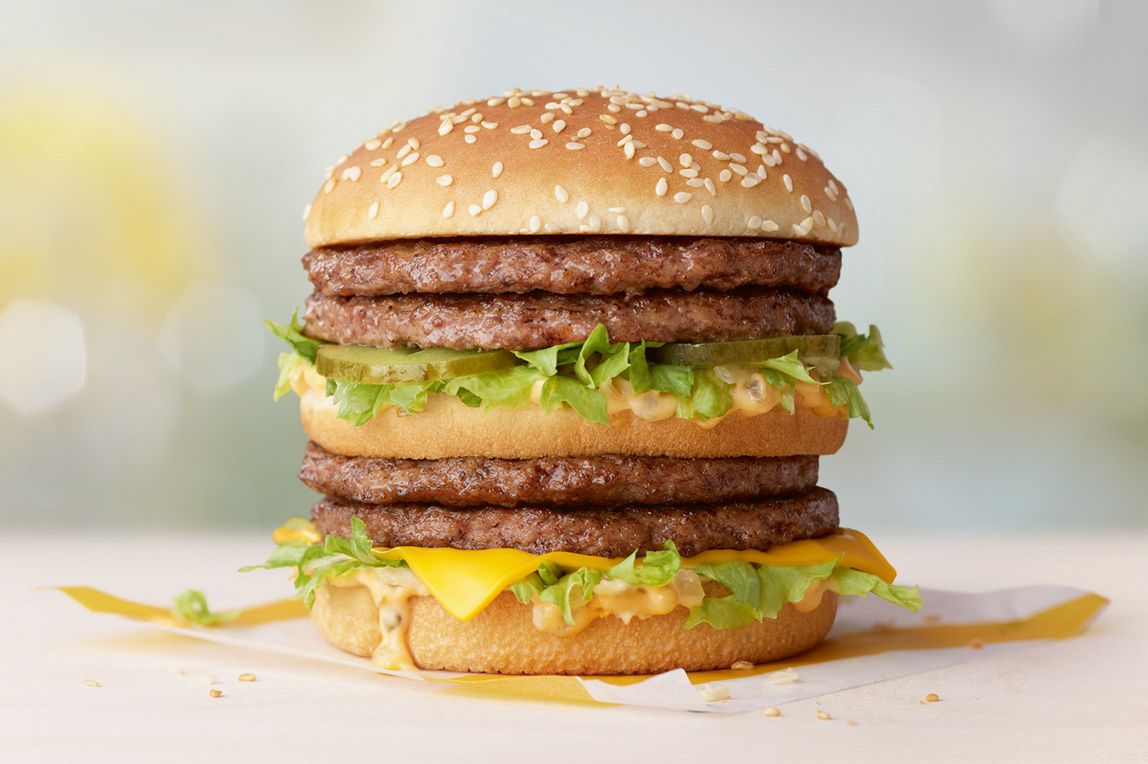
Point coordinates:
pixel 520 129
pixel 306 211
pixel 329 185
pixel 474 210
pixel 574 146
pixel 434 160
pixel 616 210
pixel 444 180
pixel 771 712
pixel 496 169
pixel 494 101
pixel 625 128
pixel 379 162
pixel 372 144
pixel 406 149
pixel 413 142
pixel 537 143
pixel 758 148
pixel 740 169
pixel 721 156
pixel 932 697
pixel 682 197
pixel 584 132
pixel 665 164
pixel 489 198
pixel 769 225
pixel 559 125
pixel 788 181
pixel 489 125
pixel 561 194
pixel 801 154
pixel 582 210
pixel 535 224
pixel 806 204
pixel 749 181
pixel 535 133
pixel 724 176
pixel 445 128
pixel 629 150
pixel 609 119
pixel 707 214
pixel 614 108
pixel 91 683
pixel 469 138
pixel 824 716
pixel 689 172
pixel 803 228
pixel 394 180
pixel 373 211
pixel 448 209
pixel 702 144
pixel 409 159
pixel 753 222
pixel 471 129
pixel 677 133
pixel 662 127
pixel 546 118
pixel 740 665
pixel 647 161
pixel 685 160
pixel 388 142
pixel 661 187
pixel 623 224
pixel 247 677
pixel 693 182
pixel 818 217
pixel 709 184
pixel 713 693
pixel 595 223
pixel 737 157
pixel 215 693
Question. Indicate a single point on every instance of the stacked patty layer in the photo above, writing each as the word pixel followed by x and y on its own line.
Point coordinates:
pixel 522 293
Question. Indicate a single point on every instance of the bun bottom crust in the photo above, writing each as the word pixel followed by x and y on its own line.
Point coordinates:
pixel 449 428
pixel 502 639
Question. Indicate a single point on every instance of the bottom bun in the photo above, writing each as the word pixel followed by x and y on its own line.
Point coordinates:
pixel 502 639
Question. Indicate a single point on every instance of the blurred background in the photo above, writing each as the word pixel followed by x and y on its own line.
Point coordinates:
pixel 155 159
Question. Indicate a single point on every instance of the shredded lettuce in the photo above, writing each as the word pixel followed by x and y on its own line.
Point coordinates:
pixel 571 591
pixel 191 605
pixel 315 562
pixel 865 352
pixel 656 568
pixel 572 373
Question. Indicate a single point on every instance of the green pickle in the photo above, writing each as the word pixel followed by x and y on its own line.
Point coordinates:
pixel 380 366
pixel 821 351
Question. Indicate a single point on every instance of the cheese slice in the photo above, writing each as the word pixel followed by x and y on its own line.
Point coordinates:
pixel 466 581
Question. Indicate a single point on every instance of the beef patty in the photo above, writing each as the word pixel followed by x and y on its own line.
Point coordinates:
pixel 615 532
pixel 588 480
pixel 517 322
pixel 570 265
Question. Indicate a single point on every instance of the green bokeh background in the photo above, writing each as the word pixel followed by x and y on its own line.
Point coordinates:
pixel 154 160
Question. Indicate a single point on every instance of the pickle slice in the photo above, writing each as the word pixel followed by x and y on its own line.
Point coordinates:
pixel 818 350
pixel 378 366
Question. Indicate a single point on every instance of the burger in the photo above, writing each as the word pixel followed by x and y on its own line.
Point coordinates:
pixel 567 371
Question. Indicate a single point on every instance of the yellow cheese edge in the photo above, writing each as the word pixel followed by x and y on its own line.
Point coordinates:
pixel 466 581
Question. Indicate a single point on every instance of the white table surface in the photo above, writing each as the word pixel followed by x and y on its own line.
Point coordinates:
pixel 1075 700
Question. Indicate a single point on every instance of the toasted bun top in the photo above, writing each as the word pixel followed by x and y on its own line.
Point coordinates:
pixel 581 161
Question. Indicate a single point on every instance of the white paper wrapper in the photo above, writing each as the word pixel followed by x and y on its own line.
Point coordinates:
pixel 870 642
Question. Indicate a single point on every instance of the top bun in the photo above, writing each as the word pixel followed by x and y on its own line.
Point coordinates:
pixel 581 161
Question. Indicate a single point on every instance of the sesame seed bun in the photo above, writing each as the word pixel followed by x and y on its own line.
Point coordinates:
pixel 448 428
pixel 502 638
pixel 581 161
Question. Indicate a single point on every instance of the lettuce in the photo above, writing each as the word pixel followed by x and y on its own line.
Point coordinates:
pixel 856 583
pixel 572 590
pixel 191 605
pixel 573 372
pixel 315 562
pixel 656 568
pixel 865 352
pixel 756 592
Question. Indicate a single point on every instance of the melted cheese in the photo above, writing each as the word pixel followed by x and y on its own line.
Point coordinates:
pixel 466 581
